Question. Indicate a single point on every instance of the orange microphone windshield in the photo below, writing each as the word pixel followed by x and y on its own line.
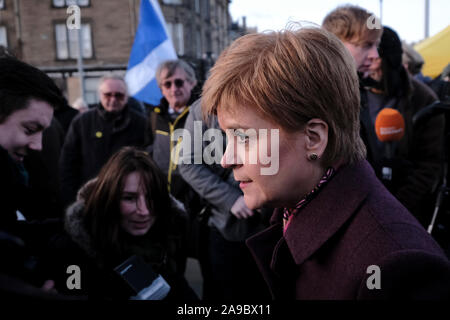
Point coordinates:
pixel 389 125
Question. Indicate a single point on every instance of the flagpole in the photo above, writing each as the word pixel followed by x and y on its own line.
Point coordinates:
pixel 80 64
pixel 381 11
pixel 427 18
pixel 152 45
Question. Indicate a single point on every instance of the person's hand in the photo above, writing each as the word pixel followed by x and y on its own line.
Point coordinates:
pixel 240 209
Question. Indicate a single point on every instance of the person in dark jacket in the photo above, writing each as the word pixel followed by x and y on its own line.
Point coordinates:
pixel 416 159
pixel 337 233
pixel 125 211
pixel 95 135
pixel 65 115
pixel 441 85
pixel 42 167
pixel 28 98
pixel 26 108
pixel 419 151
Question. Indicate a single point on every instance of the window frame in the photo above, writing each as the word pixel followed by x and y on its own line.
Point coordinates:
pixel 65 5
pixel 198 6
pixel 198 44
pixel 170 3
pixel 67 41
pixel 205 10
pixel 178 41
pixel 2 26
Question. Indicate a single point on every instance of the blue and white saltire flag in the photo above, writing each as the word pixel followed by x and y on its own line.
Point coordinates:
pixel 152 45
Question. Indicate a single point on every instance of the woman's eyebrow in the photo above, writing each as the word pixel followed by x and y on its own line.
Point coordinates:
pixel 129 192
pixel 38 126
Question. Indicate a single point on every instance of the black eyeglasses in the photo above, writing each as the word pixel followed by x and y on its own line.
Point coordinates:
pixel 178 83
pixel 117 95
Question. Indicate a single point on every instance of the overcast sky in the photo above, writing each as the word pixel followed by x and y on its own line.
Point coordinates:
pixel 407 17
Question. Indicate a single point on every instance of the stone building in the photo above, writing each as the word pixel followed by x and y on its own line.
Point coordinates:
pixel 36 32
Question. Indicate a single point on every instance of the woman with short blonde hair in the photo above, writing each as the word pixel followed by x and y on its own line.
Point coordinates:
pixel 334 221
pixel 283 76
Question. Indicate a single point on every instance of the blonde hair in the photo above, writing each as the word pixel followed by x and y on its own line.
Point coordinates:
pixel 290 77
pixel 349 23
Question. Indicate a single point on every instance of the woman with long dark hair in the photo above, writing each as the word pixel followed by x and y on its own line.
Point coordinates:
pixel 126 211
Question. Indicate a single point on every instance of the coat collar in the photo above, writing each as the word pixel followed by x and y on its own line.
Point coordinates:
pixel 277 257
pixel 325 215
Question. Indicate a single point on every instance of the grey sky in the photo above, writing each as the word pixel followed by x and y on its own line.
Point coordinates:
pixel 404 16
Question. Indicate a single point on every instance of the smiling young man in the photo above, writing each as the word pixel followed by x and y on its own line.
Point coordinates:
pixel 22 130
pixel 27 100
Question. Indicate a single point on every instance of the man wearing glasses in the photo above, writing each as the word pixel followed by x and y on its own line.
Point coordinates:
pixel 176 79
pixel 98 133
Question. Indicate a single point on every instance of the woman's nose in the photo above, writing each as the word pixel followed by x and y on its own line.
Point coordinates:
pixel 230 157
pixel 141 206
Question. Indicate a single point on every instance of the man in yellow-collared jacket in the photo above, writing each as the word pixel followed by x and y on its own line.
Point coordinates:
pixel 176 79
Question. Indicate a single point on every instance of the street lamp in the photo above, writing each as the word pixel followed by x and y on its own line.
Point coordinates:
pixel 381 11
pixel 427 18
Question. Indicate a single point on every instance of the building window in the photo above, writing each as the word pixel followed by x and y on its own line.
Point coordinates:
pixel 205 9
pixel 2 4
pixel 177 33
pixel 67 41
pixel 212 8
pixel 198 44
pixel 91 89
pixel 3 38
pixel 173 1
pixel 197 6
pixel 66 3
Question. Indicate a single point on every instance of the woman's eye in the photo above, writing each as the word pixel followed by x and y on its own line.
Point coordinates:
pixel 128 198
pixel 241 137
pixel 29 131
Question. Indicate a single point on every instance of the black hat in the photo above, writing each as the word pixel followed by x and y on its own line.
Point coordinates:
pixel 390 48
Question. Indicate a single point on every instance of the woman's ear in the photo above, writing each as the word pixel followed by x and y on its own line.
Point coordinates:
pixel 316 134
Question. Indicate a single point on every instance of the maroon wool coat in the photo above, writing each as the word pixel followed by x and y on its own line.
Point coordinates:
pixel 353 223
